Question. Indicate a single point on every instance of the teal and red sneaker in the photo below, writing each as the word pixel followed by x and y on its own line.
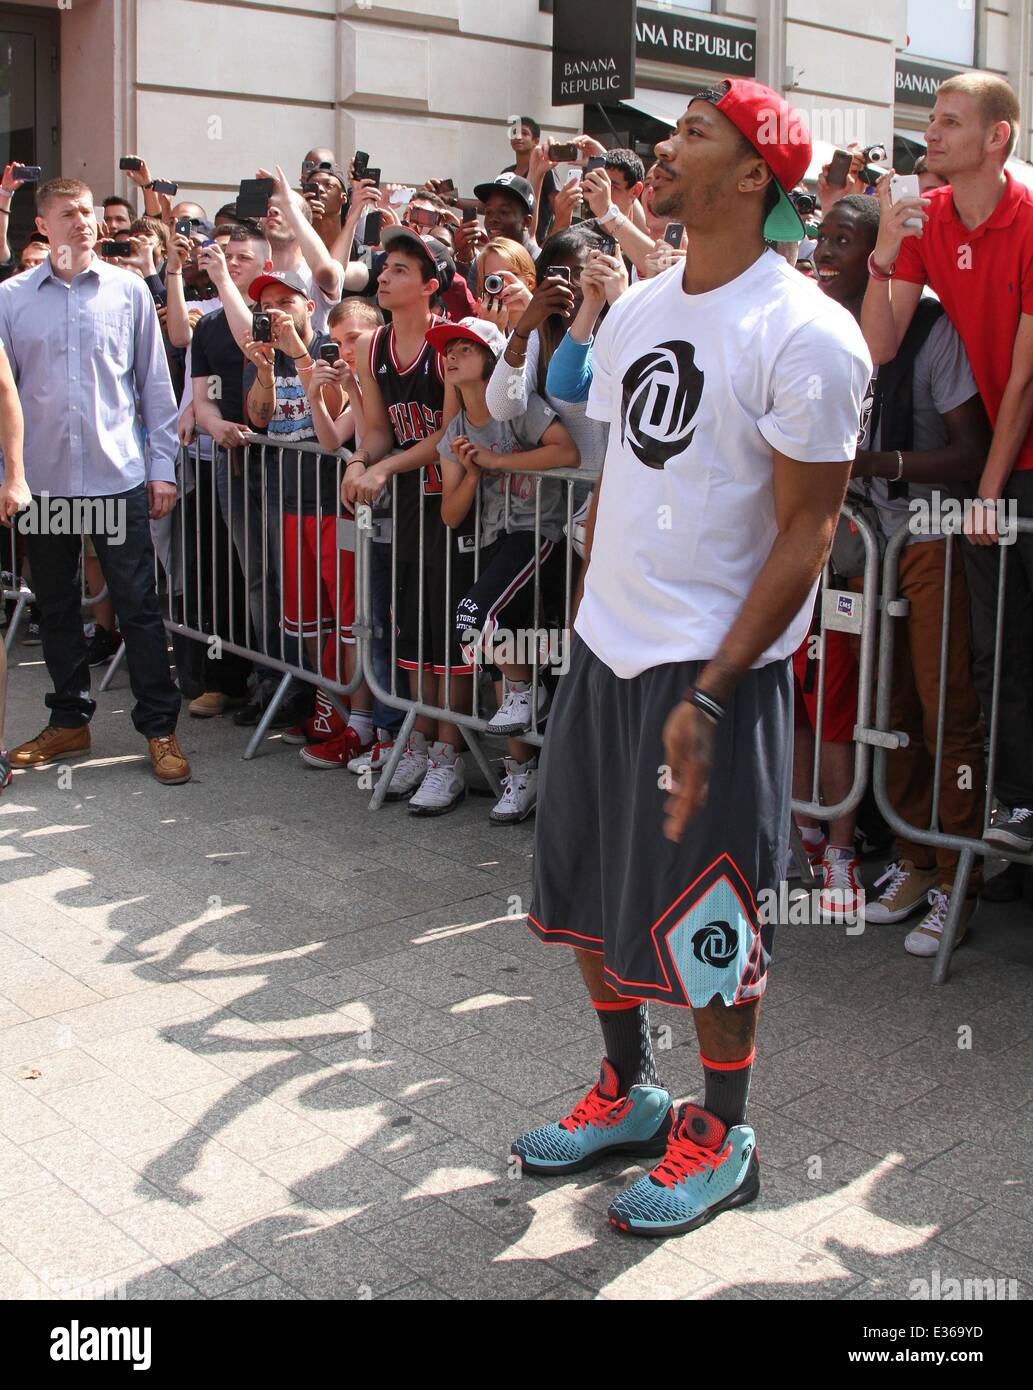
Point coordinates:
pixel 6 775
pixel 605 1122
pixel 708 1168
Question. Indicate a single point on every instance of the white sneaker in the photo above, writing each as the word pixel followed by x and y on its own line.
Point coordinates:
pixel 841 898
pixel 519 793
pixel 444 785
pixel 410 771
pixel 373 759
pixel 514 714
pixel 925 939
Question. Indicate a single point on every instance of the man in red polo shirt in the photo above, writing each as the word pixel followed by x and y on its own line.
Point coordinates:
pixel 972 242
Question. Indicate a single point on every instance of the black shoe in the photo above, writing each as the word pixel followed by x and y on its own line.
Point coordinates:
pixel 1005 887
pixel 33 637
pixel 102 645
pixel 248 715
pixel 294 710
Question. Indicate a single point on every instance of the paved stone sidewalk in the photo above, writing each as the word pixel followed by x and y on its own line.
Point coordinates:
pixel 257 1043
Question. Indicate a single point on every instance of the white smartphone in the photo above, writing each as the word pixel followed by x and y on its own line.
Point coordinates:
pixel 402 195
pixel 906 186
pixel 574 175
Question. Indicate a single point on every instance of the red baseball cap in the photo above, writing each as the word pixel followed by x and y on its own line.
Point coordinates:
pixel 779 134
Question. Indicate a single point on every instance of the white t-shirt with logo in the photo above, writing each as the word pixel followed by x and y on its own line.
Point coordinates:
pixel 698 390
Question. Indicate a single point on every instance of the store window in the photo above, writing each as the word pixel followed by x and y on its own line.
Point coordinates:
pixel 942 29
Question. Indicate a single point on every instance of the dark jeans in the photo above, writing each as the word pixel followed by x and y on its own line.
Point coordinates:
pixel 1013 774
pixel 201 548
pixel 129 573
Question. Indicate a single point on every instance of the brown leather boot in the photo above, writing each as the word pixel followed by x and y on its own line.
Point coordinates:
pixel 51 744
pixel 167 760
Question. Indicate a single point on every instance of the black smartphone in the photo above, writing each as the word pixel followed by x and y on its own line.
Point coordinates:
pixel 371 233
pixel 673 233
pixel 183 226
pixel 261 328
pixel 423 217
pixel 312 190
pixel 26 173
pixel 609 246
pixel 597 161
pixel 561 272
pixel 469 214
pixel 564 154
pixel 446 186
pixel 253 197
pixel 360 164
pixel 116 248
pixel 129 162
pixel 373 174
pixel 839 168
pixel 165 186
pixel 329 352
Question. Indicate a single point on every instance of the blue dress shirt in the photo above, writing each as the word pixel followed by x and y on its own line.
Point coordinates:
pixel 93 379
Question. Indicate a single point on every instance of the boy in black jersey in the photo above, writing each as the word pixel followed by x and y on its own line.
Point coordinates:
pixel 406 405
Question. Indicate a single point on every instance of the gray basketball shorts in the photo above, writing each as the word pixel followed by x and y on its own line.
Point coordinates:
pixel 674 922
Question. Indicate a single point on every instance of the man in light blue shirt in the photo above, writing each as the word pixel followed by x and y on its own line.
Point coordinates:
pixel 86 351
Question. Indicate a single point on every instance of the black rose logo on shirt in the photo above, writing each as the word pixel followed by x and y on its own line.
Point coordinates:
pixel 662 391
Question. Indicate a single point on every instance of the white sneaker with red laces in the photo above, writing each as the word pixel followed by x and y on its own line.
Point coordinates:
pixel 841 898
pixel 334 752
pixel 376 756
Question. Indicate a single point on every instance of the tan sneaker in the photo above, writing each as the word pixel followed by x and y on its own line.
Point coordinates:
pixel 904 890
pixel 211 704
pixel 924 940
pixel 167 761
pixel 50 744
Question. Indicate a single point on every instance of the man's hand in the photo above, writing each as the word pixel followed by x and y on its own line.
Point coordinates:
pixel 689 750
pixel 316 203
pixel 142 176
pixel 186 427
pixel 661 258
pixel 830 193
pixel 229 435
pixel 469 238
pixel 179 252
pixel 162 497
pixel 213 260
pixel 325 374
pixel 259 353
pixel 538 164
pixel 350 479
pixel 285 334
pixel 13 498
pixel 892 223
pixel 9 185
pixel 372 483
pixel 597 190
pixel 165 212
pixel 280 198
pixel 590 147
pixel 981 520
pixel 565 202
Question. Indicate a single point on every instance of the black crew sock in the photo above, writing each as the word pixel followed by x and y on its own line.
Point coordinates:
pixel 727 1088
pixel 628 1044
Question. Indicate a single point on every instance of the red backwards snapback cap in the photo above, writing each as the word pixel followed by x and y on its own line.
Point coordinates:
pixel 780 136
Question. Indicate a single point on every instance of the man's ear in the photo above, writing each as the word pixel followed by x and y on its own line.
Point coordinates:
pixel 636 191
pixel 267 266
pixel 41 226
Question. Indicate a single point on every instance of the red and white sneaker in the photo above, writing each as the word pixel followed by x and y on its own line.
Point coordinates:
pixel 842 896
pixel 375 757
pixel 321 726
pixel 335 752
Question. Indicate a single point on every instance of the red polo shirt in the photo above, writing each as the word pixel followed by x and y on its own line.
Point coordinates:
pixel 984 278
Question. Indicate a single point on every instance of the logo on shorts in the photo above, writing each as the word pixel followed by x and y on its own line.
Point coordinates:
pixel 715 944
pixel 662 391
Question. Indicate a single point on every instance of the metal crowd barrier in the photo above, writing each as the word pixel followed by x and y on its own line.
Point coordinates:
pixel 246 489
pixel 886 739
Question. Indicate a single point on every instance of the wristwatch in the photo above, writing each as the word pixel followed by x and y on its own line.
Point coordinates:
pixel 611 213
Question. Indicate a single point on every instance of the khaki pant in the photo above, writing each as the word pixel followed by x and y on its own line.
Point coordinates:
pixel 915 698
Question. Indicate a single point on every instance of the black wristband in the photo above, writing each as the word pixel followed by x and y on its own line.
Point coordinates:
pixel 711 707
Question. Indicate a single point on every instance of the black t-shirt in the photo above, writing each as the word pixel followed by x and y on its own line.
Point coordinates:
pixel 214 355
pixel 291 423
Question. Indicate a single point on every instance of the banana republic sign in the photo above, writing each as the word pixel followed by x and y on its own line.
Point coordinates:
pixel 595 44
pixel 593 51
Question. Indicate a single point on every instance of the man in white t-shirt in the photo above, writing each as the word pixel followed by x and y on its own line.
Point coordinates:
pixel 296 248
pixel 732 388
